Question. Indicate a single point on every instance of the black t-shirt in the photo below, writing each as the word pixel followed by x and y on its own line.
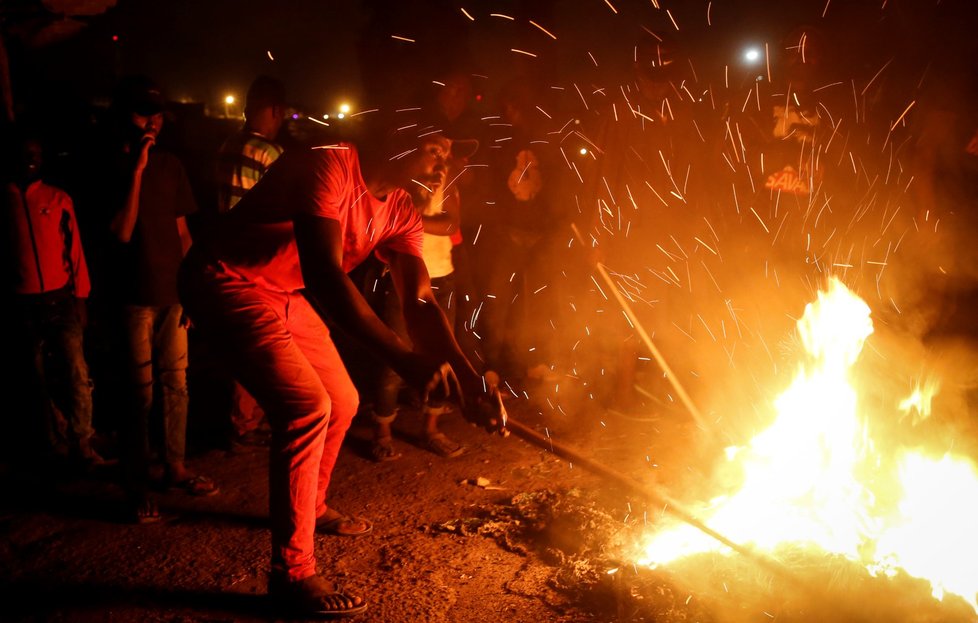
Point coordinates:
pixel 148 264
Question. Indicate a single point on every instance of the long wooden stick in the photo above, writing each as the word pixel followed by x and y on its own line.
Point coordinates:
pixel 650 492
pixel 642 333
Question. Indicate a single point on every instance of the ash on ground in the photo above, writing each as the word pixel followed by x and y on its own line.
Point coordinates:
pixel 578 554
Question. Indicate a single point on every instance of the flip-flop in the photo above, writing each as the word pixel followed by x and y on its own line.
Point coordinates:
pixel 314 597
pixel 382 449
pixel 343 525
pixel 145 510
pixel 444 447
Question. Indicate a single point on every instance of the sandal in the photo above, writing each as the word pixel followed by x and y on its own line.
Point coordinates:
pixel 314 597
pixel 443 446
pixel 382 449
pixel 336 523
pixel 145 510
pixel 200 486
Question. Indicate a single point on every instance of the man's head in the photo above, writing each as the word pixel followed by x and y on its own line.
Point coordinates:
pixel 802 53
pixel 455 96
pixel 22 156
pixel 426 162
pixel 139 101
pixel 265 106
pixel 658 62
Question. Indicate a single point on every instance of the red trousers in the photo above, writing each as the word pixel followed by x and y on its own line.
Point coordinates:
pixel 281 352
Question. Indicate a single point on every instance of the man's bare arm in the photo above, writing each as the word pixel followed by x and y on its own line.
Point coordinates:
pixel 321 256
pixel 426 322
pixel 124 222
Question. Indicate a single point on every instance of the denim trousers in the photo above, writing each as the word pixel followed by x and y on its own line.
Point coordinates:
pixel 389 383
pixel 156 350
pixel 281 352
pixel 53 336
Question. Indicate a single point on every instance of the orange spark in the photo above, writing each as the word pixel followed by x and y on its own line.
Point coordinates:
pixel 545 31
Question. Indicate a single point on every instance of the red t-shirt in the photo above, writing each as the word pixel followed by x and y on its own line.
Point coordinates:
pixel 257 239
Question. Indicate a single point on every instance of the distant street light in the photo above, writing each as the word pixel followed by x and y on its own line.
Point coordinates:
pixel 228 101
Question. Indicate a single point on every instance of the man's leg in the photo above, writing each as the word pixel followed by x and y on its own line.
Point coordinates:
pixel 135 425
pixel 308 331
pixel 248 327
pixel 71 336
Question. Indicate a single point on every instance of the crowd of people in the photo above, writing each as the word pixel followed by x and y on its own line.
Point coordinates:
pixel 447 251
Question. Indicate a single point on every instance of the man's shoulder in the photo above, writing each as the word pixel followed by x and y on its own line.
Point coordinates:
pixel 48 193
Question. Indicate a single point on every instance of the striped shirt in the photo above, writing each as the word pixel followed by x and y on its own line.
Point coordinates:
pixel 242 161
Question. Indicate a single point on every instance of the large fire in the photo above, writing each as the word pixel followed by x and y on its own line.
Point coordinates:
pixel 816 477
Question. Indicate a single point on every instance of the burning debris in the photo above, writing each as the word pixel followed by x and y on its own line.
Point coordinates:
pixel 846 527
pixel 577 553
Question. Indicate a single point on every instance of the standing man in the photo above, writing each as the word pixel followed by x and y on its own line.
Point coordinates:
pixel 243 160
pixel 246 156
pixel 278 261
pixel 151 228
pixel 51 286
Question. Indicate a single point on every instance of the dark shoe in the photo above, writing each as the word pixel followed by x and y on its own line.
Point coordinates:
pixel 144 509
pixel 200 486
pixel 313 597
pixel 252 441
pixel 444 447
pixel 382 450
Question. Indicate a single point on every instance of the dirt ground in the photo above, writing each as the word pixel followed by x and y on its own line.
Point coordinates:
pixel 506 532
pixel 67 553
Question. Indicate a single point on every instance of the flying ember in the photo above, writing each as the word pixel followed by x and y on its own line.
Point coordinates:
pixel 816 478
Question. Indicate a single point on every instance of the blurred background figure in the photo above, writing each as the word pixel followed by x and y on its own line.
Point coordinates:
pixel 243 160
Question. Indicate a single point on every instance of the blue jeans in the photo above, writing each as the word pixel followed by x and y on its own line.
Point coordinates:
pixel 157 349
pixel 389 384
pixel 59 379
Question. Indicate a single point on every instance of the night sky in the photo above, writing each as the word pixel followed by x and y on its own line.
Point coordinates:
pixel 329 50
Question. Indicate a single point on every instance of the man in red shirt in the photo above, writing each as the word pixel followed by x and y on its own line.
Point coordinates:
pixel 257 287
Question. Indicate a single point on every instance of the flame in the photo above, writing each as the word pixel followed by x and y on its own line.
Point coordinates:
pixel 816 478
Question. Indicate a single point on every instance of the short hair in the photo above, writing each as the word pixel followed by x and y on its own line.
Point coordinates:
pixel 265 91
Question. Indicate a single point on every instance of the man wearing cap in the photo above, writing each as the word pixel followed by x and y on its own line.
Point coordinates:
pixel 258 287
pixel 150 225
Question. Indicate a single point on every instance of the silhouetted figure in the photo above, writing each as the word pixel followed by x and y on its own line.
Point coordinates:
pixel 51 286
pixel 149 225
pixel 243 160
